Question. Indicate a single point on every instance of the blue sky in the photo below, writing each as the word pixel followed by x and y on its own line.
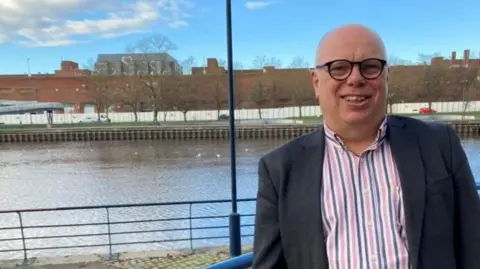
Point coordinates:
pixel 47 31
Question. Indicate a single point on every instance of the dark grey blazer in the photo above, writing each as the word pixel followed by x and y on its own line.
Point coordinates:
pixel 442 207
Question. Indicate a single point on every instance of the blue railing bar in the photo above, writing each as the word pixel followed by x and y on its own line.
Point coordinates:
pixel 133 205
pixel 123 205
pixel 240 262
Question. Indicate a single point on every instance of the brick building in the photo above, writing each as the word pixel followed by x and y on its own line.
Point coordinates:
pixel 134 64
pixel 63 86
pixel 67 85
pixel 468 60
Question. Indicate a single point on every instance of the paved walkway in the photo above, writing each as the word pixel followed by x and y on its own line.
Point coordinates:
pixel 178 261
pixel 92 265
pixel 187 261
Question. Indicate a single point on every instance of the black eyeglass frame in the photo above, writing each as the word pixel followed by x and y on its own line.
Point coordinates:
pixel 352 65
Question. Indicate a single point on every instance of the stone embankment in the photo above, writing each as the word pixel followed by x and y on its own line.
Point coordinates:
pixel 464 129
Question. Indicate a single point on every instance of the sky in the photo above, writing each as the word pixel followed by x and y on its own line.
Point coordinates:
pixel 37 35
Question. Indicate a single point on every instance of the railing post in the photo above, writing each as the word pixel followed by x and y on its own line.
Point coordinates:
pixel 25 257
pixel 235 234
pixel 109 234
pixel 191 226
pixel 234 218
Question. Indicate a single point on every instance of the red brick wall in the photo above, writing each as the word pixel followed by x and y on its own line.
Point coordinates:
pixel 66 90
pixel 65 85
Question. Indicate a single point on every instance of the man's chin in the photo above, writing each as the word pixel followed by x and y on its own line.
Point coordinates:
pixel 356 118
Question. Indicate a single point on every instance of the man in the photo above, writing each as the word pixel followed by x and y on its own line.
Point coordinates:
pixel 365 190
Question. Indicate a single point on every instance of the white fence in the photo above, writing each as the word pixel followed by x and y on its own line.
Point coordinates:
pixel 241 114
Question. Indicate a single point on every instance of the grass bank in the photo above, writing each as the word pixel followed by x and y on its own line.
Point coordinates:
pixel 107 125
pixel 308 119
pixel 476 114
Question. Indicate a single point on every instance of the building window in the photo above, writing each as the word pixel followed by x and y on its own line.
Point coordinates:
pixel 26 90
pixel 68 108
pixel 6 90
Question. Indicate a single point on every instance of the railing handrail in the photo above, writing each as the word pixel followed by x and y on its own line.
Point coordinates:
pixel 240 262
pixel 71 208
pixel 187 226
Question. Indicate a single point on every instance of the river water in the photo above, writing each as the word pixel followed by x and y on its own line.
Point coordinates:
pixel 120 172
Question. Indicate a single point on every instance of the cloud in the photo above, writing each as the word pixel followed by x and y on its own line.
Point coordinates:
pixel 51 23
pixel 257 4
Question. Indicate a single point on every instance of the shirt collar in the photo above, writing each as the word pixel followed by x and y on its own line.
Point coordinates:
pixel 332 137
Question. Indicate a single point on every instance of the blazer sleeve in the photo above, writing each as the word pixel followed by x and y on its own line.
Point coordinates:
pixel 267 246
pixel 467 207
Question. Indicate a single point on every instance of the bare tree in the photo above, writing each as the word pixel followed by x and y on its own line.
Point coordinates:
pixel 153 72
pixel 236 65
pixel 217 91
pixel 262 61
pixel 186 97
pixel 259 95
pixel 299 62
pixel 222 63
pixel 272 85
pixel 426 59
pixel 98 88
pixel 188 64
pixel 394 60
pixel 300 79
pixel 239 93
pixel 129 93
pixel 266 86
pixel 433 84
pixel 468 81
pixel 398 84
pixel 187 88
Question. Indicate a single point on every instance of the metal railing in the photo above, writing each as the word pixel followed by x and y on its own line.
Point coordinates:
pixel 240 262
pixel 188 223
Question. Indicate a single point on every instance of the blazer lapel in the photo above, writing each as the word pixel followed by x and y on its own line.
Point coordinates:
pixel 406 153
pixel 307 182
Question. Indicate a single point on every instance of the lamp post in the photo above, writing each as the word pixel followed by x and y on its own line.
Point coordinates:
pixel 234 217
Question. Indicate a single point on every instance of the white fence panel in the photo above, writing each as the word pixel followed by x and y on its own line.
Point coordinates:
pixel 240 114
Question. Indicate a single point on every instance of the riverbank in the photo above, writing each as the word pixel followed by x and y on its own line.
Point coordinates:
pixel 215 132
pixel 151 260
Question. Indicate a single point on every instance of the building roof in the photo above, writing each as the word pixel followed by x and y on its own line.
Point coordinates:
pixel 135 57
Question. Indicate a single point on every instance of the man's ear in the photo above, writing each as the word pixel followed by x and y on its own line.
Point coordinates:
pixel 314 78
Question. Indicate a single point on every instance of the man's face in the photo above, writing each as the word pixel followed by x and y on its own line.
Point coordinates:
pixel 353 99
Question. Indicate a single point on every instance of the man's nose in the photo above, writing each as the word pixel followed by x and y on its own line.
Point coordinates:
pixel 355 79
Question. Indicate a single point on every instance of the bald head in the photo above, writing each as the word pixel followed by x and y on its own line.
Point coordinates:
pixel 351 42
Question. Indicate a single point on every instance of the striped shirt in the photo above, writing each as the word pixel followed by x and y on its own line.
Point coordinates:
pixel 362 207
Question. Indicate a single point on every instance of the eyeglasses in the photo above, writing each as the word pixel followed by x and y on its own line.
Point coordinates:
pixel 370 68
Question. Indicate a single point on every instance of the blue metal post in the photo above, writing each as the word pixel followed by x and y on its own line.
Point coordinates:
pixel 234 218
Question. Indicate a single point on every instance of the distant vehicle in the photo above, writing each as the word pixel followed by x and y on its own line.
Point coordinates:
pixel 94 119
pixel 426 110
pixel 223 117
